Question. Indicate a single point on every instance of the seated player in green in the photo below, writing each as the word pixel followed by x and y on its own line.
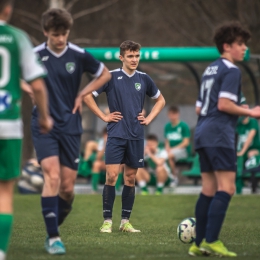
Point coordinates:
pixel 248 143
pixel 156 169
pixel 177 139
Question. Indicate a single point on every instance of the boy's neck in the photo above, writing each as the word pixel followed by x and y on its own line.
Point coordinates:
pixel 228 57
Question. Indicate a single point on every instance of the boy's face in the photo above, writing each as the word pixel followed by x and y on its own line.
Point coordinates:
pixel 236 50
pixel 173 116
pixel 130 59
pixel 152 145
pixel 57 40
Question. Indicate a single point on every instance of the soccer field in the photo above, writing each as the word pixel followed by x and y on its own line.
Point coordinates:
pixel 156 216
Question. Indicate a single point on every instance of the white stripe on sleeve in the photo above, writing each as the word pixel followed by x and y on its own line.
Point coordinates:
pixel 156 95
pixel 225 94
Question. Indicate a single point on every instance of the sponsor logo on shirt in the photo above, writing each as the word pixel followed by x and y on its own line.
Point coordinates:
pixel 141 160
pixel 76 160
pixel 120 77
pixel 70 67
pixel 137 86
pixel 5 100
pixel 45 58
pixel 6 38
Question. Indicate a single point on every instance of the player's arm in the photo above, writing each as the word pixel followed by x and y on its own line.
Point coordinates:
pixel 33 72
pixel 248 142
pixel 198 107
pixel 158 106
pixel 155 159
pixel 185 142
pixel 92 86
pixel 228 106
pixel 91 103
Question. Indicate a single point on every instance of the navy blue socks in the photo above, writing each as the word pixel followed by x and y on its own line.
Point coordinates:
pixel 216 215
pixel 50 215
pixel 64 208
pixel 128 198
pixel 109 194
pixel 201 214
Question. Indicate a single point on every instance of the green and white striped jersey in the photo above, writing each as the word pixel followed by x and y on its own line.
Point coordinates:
pixel 17 60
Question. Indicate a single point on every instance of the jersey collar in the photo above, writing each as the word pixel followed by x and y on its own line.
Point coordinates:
pixel 57 55
pixel 129 76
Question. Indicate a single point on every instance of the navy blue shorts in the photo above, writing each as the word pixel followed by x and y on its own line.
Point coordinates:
pixel 66 147
pixel 217 159
pixel 123 151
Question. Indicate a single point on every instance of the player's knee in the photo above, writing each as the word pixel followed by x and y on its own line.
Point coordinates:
pixel 53 181
pixel 111 178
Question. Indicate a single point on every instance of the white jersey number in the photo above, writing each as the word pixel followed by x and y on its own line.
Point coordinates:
pixel 206 86
pixel 5 67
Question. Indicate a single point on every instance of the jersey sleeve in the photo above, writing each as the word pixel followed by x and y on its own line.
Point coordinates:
pixel 152 91
pixel 92 65
pixel 100 90
pixel 230 85
pixel 254 124
pixel 185 131
pixel 31 68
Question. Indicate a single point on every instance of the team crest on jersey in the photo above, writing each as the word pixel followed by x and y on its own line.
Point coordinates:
pixel 70 67
pixel 137 86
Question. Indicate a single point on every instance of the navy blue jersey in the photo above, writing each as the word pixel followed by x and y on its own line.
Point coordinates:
pixel 126 94
pixel 221 79
pixel 63 81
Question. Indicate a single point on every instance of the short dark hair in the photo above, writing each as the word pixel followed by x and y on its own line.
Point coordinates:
pixel 229 33
pixel 4 3
pixel 152 137
pixel 173 109
pixel 56 19
pixel 129 46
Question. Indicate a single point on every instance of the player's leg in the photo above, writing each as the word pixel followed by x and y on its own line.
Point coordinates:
pixel 66 192
pixel 49 202
pixel 115 151
pixel 90 147
pixel 142 178
pixel 69 153
pixel 161 177
pixel 120 178
pixel 95 174
pixel 109 194
pixel 224 159
pixel 209 187
pixel 133 160
pixel 47 150
pixel 6 215
pixel 10 156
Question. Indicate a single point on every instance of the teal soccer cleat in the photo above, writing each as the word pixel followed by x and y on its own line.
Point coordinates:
pixel 57 248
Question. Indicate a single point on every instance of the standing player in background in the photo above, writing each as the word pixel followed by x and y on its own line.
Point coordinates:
pixel 17 60
pixel 125 144
pixel 58 151
pixel 218 107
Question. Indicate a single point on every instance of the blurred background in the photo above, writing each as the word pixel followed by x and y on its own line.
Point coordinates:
pixel 171 23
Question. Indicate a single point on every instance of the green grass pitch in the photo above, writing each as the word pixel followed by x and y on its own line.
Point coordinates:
pixel 156 216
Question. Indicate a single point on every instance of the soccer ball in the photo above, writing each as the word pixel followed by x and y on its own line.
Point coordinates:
pixel 186 230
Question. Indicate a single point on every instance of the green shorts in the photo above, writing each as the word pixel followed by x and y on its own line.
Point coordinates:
pixel 10 158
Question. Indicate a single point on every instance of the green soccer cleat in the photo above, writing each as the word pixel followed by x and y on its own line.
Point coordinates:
pixel 216 248
pixel 158 192
pixel 195 250
pixel 106 227
pixel 57 248
pixel 127 227
pixel 144 192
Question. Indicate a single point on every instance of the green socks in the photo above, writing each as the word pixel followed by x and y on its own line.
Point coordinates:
pixel 119 181
pixel 95 180
pixel 6 223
